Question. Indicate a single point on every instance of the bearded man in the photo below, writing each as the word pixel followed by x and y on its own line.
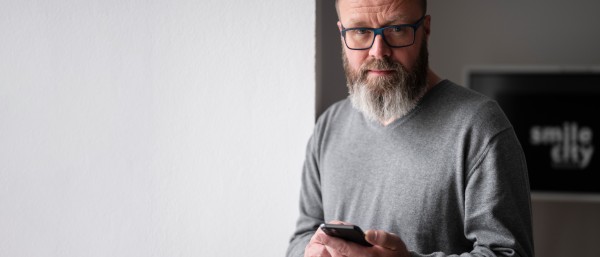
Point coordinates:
pixel 428 167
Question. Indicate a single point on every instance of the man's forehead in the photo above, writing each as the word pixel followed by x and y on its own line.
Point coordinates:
pixel 372 3
pixel 388 10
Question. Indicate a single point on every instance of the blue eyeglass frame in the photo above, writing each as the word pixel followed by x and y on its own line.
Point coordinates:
pixel 379 31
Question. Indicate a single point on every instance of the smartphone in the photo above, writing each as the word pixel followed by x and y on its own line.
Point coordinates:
pixel 350 233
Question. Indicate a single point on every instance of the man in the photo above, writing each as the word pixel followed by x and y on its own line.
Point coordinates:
pixel 428 167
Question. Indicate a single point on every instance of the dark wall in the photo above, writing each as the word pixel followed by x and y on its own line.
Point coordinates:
pixel 510 33
pixel 331 83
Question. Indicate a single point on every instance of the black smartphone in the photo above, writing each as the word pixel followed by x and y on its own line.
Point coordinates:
pixel 351 233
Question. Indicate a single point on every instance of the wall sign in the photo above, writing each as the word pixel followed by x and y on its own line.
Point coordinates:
pixel 556 116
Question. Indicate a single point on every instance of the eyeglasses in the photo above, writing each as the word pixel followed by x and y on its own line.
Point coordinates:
pixel 395 36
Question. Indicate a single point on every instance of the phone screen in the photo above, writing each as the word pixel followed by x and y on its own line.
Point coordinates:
pixel 351 233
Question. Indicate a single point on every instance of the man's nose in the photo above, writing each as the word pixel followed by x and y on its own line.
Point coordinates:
pixel 379 49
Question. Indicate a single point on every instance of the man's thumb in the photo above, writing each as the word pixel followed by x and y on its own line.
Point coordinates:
pixel 383 239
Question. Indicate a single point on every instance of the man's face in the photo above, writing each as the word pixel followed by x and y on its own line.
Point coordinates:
pixel 380 13
pixel 385 82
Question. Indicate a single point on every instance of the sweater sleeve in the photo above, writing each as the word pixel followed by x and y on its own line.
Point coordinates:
pixel 311 204
pixel 497 202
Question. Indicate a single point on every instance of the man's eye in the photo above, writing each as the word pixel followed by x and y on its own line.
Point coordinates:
pixel 397 29
pixel 362 31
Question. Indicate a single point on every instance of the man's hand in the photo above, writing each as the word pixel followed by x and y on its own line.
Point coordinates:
pixel 316 249
pixel 384 245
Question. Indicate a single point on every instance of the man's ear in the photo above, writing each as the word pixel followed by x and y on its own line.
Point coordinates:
pixel 339 24
pixel 427 26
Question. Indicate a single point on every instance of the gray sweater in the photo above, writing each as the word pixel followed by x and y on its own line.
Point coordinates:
pixel 449 178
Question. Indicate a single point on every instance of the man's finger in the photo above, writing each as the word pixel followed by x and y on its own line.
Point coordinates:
pixel 341 246
pixel 316 250
pixel 384 239
pixel 333 252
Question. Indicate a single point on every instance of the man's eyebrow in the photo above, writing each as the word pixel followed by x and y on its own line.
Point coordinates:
pixel 393 20
pixel 396 20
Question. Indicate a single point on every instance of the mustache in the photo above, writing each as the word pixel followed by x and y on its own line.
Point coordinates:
pixel 380 64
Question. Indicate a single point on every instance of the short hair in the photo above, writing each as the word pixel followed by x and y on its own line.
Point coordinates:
pixel 423 7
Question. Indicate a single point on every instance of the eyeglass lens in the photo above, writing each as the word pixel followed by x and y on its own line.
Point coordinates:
pixel 395 36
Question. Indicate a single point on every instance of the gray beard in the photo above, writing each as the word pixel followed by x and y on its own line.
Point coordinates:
pixel 386 98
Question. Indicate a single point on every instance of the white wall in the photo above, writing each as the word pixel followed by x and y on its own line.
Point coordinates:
pixel 153 128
